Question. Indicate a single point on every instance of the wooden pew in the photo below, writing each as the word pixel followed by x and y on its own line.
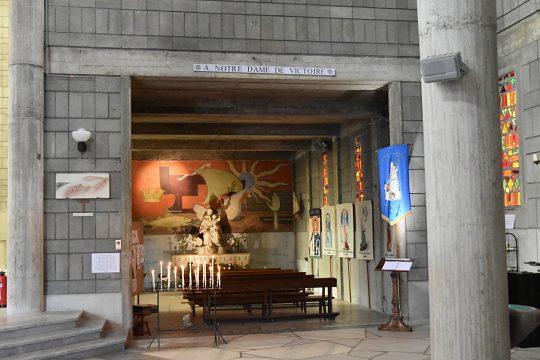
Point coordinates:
pixel 233 291
pixel 266 287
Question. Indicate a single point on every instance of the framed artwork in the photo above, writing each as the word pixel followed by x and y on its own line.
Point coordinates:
pixel 314 231
pixel 363 211
pixel 328 230
pixel 82 186
pixel 345 230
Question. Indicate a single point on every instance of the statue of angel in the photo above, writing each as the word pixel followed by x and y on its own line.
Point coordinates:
pixel 211 231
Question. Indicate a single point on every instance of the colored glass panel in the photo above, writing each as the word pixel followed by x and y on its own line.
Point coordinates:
pixel 508 122
pixel 359 174
pixel 326 182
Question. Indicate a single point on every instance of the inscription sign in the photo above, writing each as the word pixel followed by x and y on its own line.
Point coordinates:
pixel 265 69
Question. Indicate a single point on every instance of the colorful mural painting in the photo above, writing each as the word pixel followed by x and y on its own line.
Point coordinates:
pixel 252 196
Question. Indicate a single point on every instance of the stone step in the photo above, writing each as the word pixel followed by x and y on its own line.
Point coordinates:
pixel 13 327
pixel 87 331
pixel 113 342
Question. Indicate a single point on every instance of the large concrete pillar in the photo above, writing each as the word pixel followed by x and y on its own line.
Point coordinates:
pixel 467 263
pixel 25 152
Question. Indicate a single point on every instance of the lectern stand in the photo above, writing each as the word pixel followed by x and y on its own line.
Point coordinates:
pixel 395 266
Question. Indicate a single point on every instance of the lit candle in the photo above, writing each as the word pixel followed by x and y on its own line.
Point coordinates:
pixel 161 275
pixel 153 280
pixel 219 276
pixel 175 279
pixel 190 266
pixel 182 267
pixel 212 272
pixel 197 272
pixel 204 274
pixel 169 276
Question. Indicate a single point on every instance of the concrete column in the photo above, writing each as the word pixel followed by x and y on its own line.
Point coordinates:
pixel 25 152
pixel 467 264
pixel 125 96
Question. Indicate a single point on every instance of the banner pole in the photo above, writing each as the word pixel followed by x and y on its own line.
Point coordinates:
pixel 349 273
pixel 396 245
pixel 368 287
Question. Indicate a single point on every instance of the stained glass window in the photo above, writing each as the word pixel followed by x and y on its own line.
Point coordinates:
pixel 326 189
pixel 358 169
pixel 509 139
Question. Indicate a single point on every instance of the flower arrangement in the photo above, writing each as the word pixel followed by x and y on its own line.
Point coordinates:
pixel 184 238
pixel 196 241
pixel 238 241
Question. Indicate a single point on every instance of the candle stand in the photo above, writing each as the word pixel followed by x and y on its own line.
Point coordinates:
pixel 208 287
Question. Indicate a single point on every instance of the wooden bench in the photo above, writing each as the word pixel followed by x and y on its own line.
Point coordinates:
pixel 238 278
pixel 266 287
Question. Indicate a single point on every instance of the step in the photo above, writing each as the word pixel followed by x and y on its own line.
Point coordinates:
pixel 12 327
pixel 89 330
pixel 113 342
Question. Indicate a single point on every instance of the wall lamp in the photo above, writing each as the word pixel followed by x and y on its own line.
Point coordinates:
pixel 81 136
pixel 444 67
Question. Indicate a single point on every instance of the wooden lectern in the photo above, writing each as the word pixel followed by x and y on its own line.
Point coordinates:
pixel 395 266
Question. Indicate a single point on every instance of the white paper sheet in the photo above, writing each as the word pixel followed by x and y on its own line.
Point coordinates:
pixel 105 263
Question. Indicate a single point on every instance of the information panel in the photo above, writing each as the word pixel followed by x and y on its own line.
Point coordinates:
pixel 105 263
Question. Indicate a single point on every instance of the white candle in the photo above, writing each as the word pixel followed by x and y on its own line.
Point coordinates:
pixel 153 280
pixel 190 266
pixel 212 272
pixel 175 279
pixel 161 275
pixel 219 276
pixel 204 274
pixel 182 267
pixel 198 266
pixel 169 276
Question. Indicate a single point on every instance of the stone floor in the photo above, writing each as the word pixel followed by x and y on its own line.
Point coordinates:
pixel 334 344
pixel 352 335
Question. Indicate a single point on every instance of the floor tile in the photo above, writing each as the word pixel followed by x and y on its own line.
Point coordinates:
pixel 394 344
pixel 336 357
pixel 365 353
pixel 303 341
pixel 302 351
pixel 355 333
pixel 196 354
pixel 418 332
pixel 259 341
pixel 347 342
pixel 401 356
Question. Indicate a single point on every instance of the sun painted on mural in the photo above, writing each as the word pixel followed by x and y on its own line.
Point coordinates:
pixel 254 196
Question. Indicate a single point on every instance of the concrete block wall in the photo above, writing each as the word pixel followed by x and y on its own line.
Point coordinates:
pixel 360 270
pixel 318 27
pixel 510 12
pixel 93 103
pixel 520 51
pixel 301 187
pixel 4 44
pixel 416 223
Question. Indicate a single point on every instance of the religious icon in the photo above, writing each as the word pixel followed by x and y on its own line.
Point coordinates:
pixel 328 231
pixel 315 232
pixel 364 229
pixel 346 230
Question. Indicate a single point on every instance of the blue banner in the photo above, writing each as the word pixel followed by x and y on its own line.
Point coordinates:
pixel 394 183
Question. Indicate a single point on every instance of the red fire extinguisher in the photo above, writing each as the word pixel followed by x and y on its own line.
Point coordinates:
pixel 3 289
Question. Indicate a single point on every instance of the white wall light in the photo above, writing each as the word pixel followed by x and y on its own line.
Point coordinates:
pixel 81 136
